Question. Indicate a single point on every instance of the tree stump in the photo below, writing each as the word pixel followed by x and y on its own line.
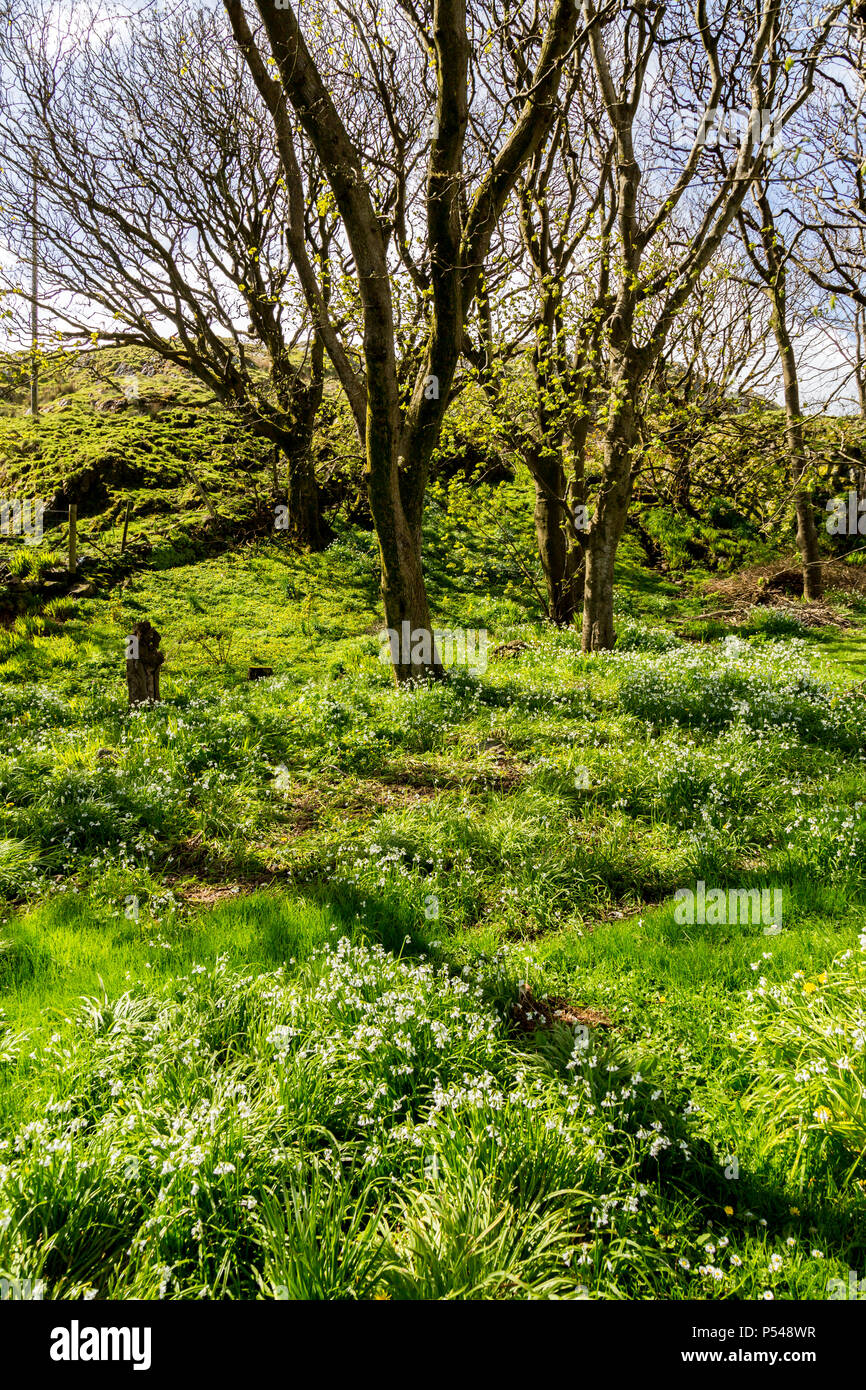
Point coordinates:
pixel 143 660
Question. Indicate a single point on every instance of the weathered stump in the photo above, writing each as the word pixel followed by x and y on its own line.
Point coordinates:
pixel 143 660
pixel 259 673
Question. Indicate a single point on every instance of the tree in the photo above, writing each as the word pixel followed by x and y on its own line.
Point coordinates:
pixel 566 207
pixel 452 214
pixel 536 289
pixel 673 213
pixel 771 258
pixel 164 220
pixel 717 361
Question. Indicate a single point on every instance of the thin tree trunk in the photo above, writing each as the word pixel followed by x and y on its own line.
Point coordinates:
pixel 609 523
pixel 578 436
pixel 807 532
pixel 795 442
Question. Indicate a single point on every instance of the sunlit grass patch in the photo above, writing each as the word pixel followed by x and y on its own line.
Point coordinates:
pixel 367 1121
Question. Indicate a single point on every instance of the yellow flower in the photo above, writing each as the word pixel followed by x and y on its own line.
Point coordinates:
pixel 822 1114
pixel 729 1211
pixel 795 1211
pixel 662 998
pixel 822 978
pixel 809 988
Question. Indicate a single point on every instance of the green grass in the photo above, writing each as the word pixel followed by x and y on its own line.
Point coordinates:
pixel 259 945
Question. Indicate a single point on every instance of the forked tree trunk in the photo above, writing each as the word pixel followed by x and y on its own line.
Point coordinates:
pixel 458 239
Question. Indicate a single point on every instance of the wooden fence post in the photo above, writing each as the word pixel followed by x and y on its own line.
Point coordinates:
pixel 73 537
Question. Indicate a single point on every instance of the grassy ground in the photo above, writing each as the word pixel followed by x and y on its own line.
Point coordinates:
pixel 261 945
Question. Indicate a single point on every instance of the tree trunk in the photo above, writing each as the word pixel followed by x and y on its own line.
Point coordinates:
pixel 410 647
pixel 409 630
pixel 598 634
pixel 795 441
pixel 609 523
pixel 807 541
pixel 301 400
pixel 578 436
pixel 807 532
pixel 554 547
pixel 306 524
pixel 682 484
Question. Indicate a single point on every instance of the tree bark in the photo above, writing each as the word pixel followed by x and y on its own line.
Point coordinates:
pixel 307 526
pixel 407 613
pixel 609 521
pixel 301 401
pixel 554 548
